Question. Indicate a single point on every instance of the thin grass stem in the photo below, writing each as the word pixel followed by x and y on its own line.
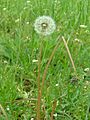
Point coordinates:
pixel 69 54
pixel 53 109
pixel 46 68
pixel 3 111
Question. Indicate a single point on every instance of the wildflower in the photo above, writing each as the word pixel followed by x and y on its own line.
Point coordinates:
pixel 77 40
pixel 4 9
pixel 55 115
pixel 34 61
pixel 57 85
pixel 87 82
pixel 28 1
pixel 5 61
pixel 17 20
pixel 27 23
pixel 57 103
pixel 32 118
pixel 25 8
pixel 83 26
pixel 25 94
pixel 7 108
pixel 27 37
pixel 86 69
pixel 44 25
pixel 85 87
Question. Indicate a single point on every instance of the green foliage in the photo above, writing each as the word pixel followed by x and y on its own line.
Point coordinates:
pixel 19 46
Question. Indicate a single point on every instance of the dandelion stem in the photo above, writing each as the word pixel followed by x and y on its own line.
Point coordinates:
pixel 39 90
pixel 44 77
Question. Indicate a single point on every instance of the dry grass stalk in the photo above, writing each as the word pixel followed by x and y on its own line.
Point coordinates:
pixel 70 56
pixel 53 109
pixel 50 58
pixel 3 111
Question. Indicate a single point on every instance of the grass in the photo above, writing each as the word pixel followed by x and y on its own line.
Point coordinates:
pixel 63 96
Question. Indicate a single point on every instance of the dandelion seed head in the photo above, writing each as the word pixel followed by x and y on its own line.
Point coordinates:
pixel 44 25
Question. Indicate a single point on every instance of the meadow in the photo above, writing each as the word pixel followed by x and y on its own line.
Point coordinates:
pixel 37 76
